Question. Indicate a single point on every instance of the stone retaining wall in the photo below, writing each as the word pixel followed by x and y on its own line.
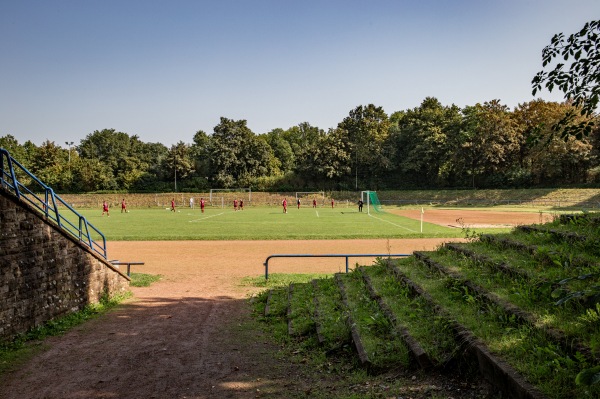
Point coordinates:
pixel 44 273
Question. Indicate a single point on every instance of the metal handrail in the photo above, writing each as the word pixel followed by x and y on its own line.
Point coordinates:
pixel 49 204
pixel 266 263
pixel 129 264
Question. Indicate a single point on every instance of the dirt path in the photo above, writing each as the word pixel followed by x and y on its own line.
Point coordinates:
pixel 185 336
pixel 475 218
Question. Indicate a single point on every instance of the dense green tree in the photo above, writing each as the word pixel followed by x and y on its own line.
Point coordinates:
pixel 178 164
pixel 580 83
pixel 423 140
pixel 534 120
pixel 24 154
pixel 302 139
pixel 594 138
pixel 225 146
pixel 29 152
pixel 333 156
pixel 282 149
pixel 92 175
pixel 237 155
pixel 302 135
pixel 108 147
pixel 257 160
pixel 546 157
pixel 134 162
pixel 366 128
pixel 127 159
pixel 16 150
pixel 50 164
pixel 326 162
pixel 200 153
pixel 489 143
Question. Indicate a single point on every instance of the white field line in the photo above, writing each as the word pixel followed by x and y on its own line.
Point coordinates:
pixel 397 225
pixel 208 217
pixel 317 212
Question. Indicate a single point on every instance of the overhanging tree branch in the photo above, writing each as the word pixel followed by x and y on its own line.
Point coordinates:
pixel 579 80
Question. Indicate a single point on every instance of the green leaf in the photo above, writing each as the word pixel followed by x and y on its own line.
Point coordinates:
pixel 588 376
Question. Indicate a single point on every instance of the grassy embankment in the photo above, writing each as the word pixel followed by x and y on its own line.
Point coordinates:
pixel 528 298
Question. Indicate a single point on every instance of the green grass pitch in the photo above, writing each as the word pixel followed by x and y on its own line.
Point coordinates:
pixel 260 223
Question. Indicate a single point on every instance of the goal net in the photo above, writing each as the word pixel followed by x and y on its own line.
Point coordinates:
pixel 232 193
pixel 371 200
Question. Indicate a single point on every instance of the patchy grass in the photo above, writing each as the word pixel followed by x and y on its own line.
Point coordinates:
pixel 143 280
pixel 280 279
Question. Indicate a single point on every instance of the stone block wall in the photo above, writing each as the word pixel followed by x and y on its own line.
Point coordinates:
pixel 44 273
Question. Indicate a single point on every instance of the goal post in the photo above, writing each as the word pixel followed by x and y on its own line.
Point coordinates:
pixel 231 190
pixel 372 200
pixel 311 194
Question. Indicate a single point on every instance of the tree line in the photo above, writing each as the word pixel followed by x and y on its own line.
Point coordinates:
pixel 431 146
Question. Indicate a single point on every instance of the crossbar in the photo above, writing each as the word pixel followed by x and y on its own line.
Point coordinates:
pixel 347 256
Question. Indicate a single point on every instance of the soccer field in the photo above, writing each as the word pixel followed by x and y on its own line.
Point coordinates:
pixel 260 223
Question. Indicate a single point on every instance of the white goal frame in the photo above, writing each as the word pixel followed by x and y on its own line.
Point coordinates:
pixel 231 190
pixel 307 193
pixel 368 201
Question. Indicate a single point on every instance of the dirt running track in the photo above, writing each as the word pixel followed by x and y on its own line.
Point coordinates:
pixel 475 218
pixel 184 336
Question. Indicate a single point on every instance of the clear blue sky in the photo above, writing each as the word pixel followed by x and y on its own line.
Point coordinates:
pixel 163 70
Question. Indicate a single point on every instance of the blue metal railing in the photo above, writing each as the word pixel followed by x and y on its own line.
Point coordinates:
pixel 48 203
pixel 266 264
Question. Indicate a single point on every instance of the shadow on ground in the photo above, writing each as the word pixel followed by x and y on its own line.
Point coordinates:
pixel 158 348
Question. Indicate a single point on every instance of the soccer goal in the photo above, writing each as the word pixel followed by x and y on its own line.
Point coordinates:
pixel 371 199
pixel 311 194
pixel 231 190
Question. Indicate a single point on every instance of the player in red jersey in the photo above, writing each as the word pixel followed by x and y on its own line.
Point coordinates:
pixel 284 203
pixel 202 204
